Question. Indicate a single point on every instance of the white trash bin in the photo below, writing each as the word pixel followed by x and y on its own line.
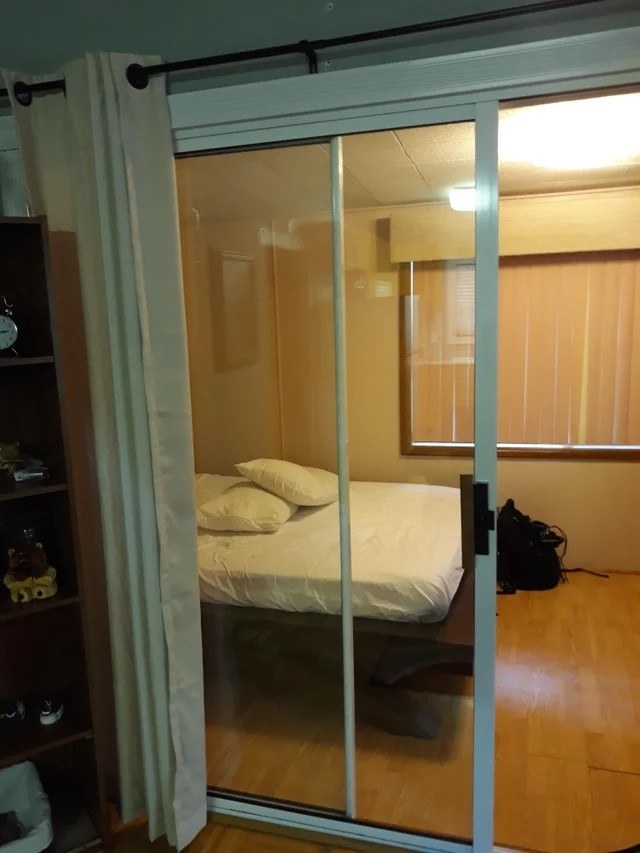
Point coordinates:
pixel 22 793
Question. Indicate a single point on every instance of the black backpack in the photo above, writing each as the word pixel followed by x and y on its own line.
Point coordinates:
pixel 527 552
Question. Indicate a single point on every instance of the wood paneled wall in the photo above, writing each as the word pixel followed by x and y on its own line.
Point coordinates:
pixel 304 319
pixel 584 497
pixel 242 413
pixel 529 225
pixel 235 406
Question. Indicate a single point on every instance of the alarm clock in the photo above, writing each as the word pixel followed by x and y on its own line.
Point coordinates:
pixel 8 327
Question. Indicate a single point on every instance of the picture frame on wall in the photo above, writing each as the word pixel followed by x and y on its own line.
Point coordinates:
pixel 235 316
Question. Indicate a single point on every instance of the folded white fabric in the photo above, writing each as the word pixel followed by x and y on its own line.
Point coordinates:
pixel 296 483
pixel 241 507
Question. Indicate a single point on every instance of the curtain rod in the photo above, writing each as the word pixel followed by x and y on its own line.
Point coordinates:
pixel 139 75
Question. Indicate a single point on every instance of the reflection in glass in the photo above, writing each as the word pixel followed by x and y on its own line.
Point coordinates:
pixel 568 378
pixel 409 266
pixel 256 243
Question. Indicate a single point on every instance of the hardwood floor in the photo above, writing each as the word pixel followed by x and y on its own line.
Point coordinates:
pixel 567 718
pixel 220 838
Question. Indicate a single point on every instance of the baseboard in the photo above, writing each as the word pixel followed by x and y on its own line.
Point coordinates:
pixel 300 834
pixel 317 837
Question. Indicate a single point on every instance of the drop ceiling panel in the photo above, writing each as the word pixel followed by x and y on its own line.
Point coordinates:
pixel 387 185
pixel 439 179
pixel 444 143
pixel 384 144
pixel 355 194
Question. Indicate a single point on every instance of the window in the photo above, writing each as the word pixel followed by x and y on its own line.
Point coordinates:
pixel 461 295
pixel 568 355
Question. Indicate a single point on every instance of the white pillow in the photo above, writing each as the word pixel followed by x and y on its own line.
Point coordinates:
pixel 295 483
pixel 210 486
pixel 245 508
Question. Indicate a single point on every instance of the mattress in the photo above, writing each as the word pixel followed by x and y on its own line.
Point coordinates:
pixel 406 557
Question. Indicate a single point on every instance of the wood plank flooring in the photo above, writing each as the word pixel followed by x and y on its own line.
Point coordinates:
pixel 220 838
pixel 568 716
pixel 568 726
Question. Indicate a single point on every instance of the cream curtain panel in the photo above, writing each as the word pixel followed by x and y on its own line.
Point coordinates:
pixel 99 162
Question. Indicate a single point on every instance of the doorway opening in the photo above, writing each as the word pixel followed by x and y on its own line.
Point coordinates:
pixel 568 662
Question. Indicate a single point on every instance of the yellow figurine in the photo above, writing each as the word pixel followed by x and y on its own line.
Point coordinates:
pixel 21 589
pixel 45 586
pixel 30 576
pixel 9 456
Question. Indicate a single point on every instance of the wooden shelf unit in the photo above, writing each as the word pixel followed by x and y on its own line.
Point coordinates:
pixel 9 610
pixel 46 646
pixel 68 772
pixel 30 739
pixel 10 491
pixel 8 361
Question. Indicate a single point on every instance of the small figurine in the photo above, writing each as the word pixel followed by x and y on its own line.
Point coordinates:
pixel 30 576
pixel 21 466
pixel 9 456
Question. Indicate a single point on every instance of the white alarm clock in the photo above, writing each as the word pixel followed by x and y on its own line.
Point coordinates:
pixel 8 327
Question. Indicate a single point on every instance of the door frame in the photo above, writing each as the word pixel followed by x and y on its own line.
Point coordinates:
pixel 460 87
pixel 382 96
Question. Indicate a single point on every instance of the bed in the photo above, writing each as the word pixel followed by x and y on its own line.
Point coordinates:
pixel 408 582
pixel 405 554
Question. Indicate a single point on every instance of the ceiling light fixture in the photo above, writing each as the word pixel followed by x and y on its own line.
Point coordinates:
pixel 463 198
pixel 585 134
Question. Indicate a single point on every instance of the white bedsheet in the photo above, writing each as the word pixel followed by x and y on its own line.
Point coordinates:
pixel 406 557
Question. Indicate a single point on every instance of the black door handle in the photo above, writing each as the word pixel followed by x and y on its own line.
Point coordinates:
pixel 484 518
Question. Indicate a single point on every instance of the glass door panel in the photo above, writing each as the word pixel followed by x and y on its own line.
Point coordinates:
pixel 330 294
pixel 256 233
pixel 409 233
pixel 569 373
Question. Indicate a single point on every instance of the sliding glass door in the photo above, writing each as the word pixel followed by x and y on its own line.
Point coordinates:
pixel 256 232
pixel 404 245
pixel 341 299
pixel 419 245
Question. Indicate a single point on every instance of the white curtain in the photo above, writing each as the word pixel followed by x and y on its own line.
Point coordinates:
pixel 99 162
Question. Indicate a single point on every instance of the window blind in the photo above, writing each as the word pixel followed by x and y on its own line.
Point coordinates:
pixel 568 351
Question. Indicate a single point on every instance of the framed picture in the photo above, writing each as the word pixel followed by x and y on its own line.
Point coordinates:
pixel 235 317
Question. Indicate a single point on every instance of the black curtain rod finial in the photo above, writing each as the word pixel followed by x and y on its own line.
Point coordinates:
pixel 138 76
pixel 22 93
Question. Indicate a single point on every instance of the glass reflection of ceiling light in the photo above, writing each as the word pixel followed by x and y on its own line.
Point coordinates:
pixel 463 198
pixel 588 134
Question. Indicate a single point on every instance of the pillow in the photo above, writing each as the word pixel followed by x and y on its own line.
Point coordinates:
pixel 245 508
pixel 209 486
pixel 295 483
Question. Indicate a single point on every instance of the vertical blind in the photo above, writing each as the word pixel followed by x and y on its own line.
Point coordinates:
pixel 568 350
pixel 442 351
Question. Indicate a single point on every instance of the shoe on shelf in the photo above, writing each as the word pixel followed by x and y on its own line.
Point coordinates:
pixel 11 712
pixel 51 709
